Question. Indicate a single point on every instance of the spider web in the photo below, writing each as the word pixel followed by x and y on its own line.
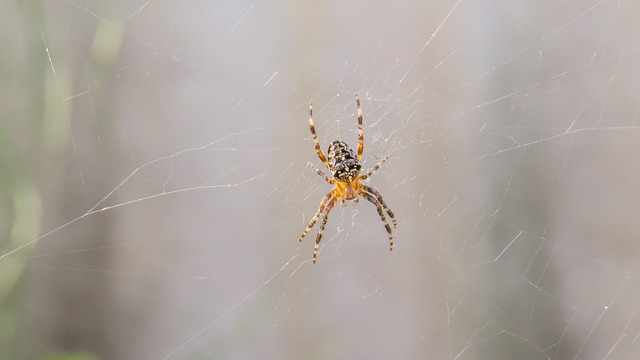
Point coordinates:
pixel 155 183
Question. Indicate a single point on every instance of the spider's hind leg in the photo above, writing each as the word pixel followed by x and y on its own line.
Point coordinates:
pixel 323 175
pixel 360 133
pixel 370 172
pixel 315 137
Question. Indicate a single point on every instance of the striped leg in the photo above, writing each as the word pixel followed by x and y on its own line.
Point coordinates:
pixel 323 175
pixel 381 201
pixel 360 133
pixel 317 215
pixel 325 216
pixel 381 213
pixel 370 172
pixel 315 137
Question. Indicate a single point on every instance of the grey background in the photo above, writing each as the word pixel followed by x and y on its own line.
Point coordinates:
pixel 154 180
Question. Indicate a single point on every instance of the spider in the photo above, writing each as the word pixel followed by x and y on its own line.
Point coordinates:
pixel 345 167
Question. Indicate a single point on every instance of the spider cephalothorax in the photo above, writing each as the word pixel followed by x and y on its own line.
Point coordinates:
pixel 344 165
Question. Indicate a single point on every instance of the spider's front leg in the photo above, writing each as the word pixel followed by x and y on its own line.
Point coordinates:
pixel 317 215
pixel 325 217
pixel 379 208
pixel 382 202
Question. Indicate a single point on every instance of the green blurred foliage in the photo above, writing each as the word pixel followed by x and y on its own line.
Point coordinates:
pixel 70 356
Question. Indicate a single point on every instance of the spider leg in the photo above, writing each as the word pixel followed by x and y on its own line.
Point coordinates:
pixel 323 175
pixel 370 172
pixel 317 215
pixel 381 201
pixel 381 213
pixel 325 216
pixel 315 137
pixel 360 134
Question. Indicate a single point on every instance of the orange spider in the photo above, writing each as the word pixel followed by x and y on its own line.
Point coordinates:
pixel 345 175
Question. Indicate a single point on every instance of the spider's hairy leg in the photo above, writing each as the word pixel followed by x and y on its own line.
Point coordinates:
pixel 360 133
pixel 381 213
pixel 317 215
pixel 325 217
pixel 381 201
pixel 323 175
pixel 370 172
pixel 315 137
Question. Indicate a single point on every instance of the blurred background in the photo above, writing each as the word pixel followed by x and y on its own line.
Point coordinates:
pixel 154 179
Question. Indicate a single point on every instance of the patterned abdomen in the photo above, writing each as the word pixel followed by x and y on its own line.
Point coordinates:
pixel 343 163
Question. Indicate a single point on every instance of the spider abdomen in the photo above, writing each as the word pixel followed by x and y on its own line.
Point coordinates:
pixel 343 163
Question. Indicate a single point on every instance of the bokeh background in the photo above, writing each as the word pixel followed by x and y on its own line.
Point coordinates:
pixel 153 179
